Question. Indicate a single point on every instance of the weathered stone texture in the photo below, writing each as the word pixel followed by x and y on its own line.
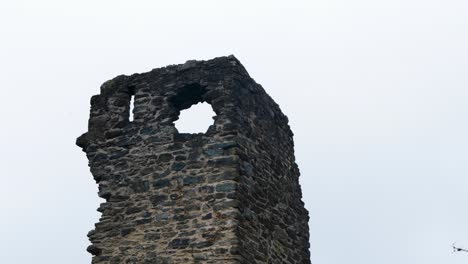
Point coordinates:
pixel 230 195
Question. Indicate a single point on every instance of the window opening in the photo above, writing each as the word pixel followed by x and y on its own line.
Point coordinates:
pixel 132 105
pixel 196 119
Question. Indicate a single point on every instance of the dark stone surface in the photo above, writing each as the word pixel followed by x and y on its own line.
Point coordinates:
pixel 230 195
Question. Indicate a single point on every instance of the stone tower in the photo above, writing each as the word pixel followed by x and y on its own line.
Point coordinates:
pixel 230 195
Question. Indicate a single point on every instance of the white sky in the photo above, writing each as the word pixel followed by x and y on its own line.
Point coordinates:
pixel 376 93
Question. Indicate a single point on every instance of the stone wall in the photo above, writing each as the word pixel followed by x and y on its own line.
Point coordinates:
pixel 230 195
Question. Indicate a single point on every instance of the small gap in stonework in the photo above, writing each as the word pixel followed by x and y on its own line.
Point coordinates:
pixel 197 119
pixel 132 105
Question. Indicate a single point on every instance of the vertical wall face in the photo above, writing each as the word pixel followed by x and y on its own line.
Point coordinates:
pixel 230 195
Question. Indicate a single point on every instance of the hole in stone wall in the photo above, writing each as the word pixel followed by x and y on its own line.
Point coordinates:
pixel 196 119
pixel 132 105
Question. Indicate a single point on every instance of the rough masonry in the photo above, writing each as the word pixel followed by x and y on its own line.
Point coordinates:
pixel 230 195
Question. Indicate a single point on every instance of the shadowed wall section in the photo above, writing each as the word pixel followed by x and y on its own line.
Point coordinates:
pixel 230 195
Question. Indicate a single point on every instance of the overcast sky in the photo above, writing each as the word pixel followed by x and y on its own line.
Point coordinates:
pixel 376 92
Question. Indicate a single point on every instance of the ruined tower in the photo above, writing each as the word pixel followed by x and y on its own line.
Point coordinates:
pixel 230 195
